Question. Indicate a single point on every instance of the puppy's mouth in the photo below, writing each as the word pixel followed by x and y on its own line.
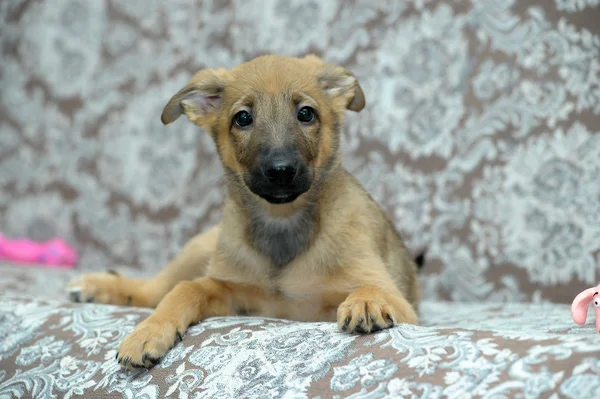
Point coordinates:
pixel 280 198
pixel 277 194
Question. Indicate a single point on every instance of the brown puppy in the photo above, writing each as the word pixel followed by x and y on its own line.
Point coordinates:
pixel 300 238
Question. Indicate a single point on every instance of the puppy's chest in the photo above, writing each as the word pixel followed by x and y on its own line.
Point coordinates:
pixel 305 299
pixel 282 239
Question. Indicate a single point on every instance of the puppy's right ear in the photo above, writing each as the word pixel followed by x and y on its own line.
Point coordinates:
pixel 199 99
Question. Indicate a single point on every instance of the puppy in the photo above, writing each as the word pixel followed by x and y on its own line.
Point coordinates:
pixel 299 238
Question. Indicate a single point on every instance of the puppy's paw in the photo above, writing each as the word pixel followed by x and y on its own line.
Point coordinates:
pixel 98 288
pixel 147 344
pixel 363 316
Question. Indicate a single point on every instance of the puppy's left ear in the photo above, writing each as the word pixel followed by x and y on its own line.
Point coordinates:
pixel 199 99
pixel 339 84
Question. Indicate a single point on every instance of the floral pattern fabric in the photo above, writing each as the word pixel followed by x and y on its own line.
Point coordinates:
pixel 480 139
pixel 481 135
pixel 52 350
pixel 49 349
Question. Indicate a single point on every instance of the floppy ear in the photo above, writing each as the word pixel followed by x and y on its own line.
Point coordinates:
pixel 581 304
pixel 199 99
pixel 338 83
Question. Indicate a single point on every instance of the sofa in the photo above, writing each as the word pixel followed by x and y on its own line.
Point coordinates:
pixel 480 140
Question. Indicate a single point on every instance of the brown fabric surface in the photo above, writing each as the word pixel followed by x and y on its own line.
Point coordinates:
pixel 50 349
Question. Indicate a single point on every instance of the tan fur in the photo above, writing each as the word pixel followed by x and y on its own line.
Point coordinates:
pixel 356 269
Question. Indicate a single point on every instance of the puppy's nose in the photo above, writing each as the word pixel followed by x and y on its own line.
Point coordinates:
pixel 280 172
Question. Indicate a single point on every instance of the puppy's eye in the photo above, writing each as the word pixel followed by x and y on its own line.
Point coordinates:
pixel 243 119
pixel 306 115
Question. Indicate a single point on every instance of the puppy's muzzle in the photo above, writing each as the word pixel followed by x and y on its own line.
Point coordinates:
pixel 280 176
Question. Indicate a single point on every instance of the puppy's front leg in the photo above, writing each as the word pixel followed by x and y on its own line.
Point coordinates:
pixel 188 303
pixel 370 308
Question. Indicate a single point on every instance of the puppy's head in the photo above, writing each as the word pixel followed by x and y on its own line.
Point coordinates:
pixel 275 120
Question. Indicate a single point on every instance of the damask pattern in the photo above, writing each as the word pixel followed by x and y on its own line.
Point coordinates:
pixel 48 349
pixel 480 137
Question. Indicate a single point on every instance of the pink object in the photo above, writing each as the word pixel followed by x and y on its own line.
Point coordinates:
pixel 581 304
pixel 52 253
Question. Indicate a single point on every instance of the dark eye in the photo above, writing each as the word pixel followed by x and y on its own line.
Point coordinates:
pixel 306 114
pixel 243 119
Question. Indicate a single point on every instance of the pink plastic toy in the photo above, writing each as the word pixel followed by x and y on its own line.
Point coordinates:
pixel 52 253
pixel 581 304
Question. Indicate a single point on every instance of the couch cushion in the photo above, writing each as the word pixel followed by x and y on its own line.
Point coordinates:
pixel 50 348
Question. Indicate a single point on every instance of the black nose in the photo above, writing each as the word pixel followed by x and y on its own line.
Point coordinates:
pixel 280 172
